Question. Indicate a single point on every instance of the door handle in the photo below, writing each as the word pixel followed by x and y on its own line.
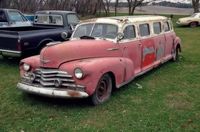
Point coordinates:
pixel 112 49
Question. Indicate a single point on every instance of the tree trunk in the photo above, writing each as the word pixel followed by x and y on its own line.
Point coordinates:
pixel 116 5
pixel 195 4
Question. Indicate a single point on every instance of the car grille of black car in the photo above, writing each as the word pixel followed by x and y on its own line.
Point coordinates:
pixel 47 78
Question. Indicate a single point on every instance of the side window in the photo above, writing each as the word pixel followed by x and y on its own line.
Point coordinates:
pixel 129 32
pixel 166 26
pixel 3 17
pixel 72 19
pixel 144 30
pixel 157 27
pixel 15 16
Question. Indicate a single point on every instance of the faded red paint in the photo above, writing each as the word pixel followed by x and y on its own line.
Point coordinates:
pixel 124 60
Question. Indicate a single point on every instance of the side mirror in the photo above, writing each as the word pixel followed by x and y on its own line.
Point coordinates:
pixel 120 36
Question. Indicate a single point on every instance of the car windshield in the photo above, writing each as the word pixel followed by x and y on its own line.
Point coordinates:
pixel 49 19
pixel 96 30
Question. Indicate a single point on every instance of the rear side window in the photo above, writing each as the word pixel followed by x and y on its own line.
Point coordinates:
pixel 157 27
pixel 144 30
pixel 166 26
pixel 129 32
pixel 72 19
pixel 15 16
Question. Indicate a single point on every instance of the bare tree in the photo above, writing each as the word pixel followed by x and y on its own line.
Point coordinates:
pixel 132 4
pixel 195 5
pixel 116 6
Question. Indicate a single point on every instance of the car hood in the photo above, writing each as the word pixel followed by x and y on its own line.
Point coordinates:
pixel 54 56
pixel 186 18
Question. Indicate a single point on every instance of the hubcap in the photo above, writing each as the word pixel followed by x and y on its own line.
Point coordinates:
pixel 102 89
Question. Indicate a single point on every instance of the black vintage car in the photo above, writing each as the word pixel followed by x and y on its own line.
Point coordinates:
pixel 48 26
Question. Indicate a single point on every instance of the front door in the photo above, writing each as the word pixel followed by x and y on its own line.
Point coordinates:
pixel 131 48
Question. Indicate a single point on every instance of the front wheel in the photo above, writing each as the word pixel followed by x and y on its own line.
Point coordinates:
pixel 103 90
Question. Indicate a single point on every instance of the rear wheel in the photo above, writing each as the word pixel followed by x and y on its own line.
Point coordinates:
pixel 193 24
pixel 176 54
pixel 103 90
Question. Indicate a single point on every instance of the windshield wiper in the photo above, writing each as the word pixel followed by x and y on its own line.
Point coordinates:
pixel 86 37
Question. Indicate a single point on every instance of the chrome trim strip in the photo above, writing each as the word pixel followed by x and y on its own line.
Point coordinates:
pixel 10 51
pixel 52 92
pixel 130 80
pixel 53 79
pixel 53 75
pixel 112 49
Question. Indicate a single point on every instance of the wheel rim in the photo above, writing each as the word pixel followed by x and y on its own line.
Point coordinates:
pixel 102 90
pixel 193 24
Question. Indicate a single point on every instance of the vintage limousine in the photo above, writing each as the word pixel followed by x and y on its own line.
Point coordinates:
pixel 103 54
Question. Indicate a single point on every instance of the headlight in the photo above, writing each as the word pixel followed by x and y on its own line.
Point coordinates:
pixel 78 73
pixel 26 67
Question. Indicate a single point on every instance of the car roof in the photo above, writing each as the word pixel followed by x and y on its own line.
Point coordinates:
pixel 55 11
pixel 5 9
pixel 129 19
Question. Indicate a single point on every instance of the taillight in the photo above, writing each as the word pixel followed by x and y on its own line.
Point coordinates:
pixel 19 48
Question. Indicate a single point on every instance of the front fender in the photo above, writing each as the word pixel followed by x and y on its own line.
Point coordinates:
pixel 95 68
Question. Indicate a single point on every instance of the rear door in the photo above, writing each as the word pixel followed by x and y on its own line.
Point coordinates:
pixel 148 47
pixel 159 41
pixel 169 39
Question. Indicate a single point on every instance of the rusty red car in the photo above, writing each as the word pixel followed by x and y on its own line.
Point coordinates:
pixel 103 54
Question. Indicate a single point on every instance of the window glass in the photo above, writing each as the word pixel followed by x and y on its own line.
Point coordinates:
pixel 166 26
pixel 105 31
pixel 15 16
pixel 49 19
pixel 99 30
pixel 83 30
pixel 144 30
pixel 2 17
pixel 129 32
pixel 157 27
pixel 72 19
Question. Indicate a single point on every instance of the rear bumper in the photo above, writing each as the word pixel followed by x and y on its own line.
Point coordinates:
pixel 10 53
pixel 52 92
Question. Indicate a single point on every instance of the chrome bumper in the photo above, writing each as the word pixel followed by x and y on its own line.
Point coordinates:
pixel 10 53
pixel 52 92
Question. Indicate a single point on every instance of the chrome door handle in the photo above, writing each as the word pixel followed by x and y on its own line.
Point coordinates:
pixel 112 49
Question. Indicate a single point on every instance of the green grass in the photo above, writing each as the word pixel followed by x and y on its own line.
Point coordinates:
pixel 168 100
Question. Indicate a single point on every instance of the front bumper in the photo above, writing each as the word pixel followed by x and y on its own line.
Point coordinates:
pixel 10 53
pixel 52 92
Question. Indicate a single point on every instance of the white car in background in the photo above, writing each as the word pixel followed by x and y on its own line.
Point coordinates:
pixel 192 21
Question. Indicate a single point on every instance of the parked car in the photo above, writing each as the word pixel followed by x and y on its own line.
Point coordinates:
pixel 12 18
pixel 192 21
pixel 103 54
pixel 48 26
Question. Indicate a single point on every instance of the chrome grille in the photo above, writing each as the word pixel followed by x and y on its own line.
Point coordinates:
pixel 47 78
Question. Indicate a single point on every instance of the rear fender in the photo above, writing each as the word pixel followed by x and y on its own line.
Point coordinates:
pixel 177 44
